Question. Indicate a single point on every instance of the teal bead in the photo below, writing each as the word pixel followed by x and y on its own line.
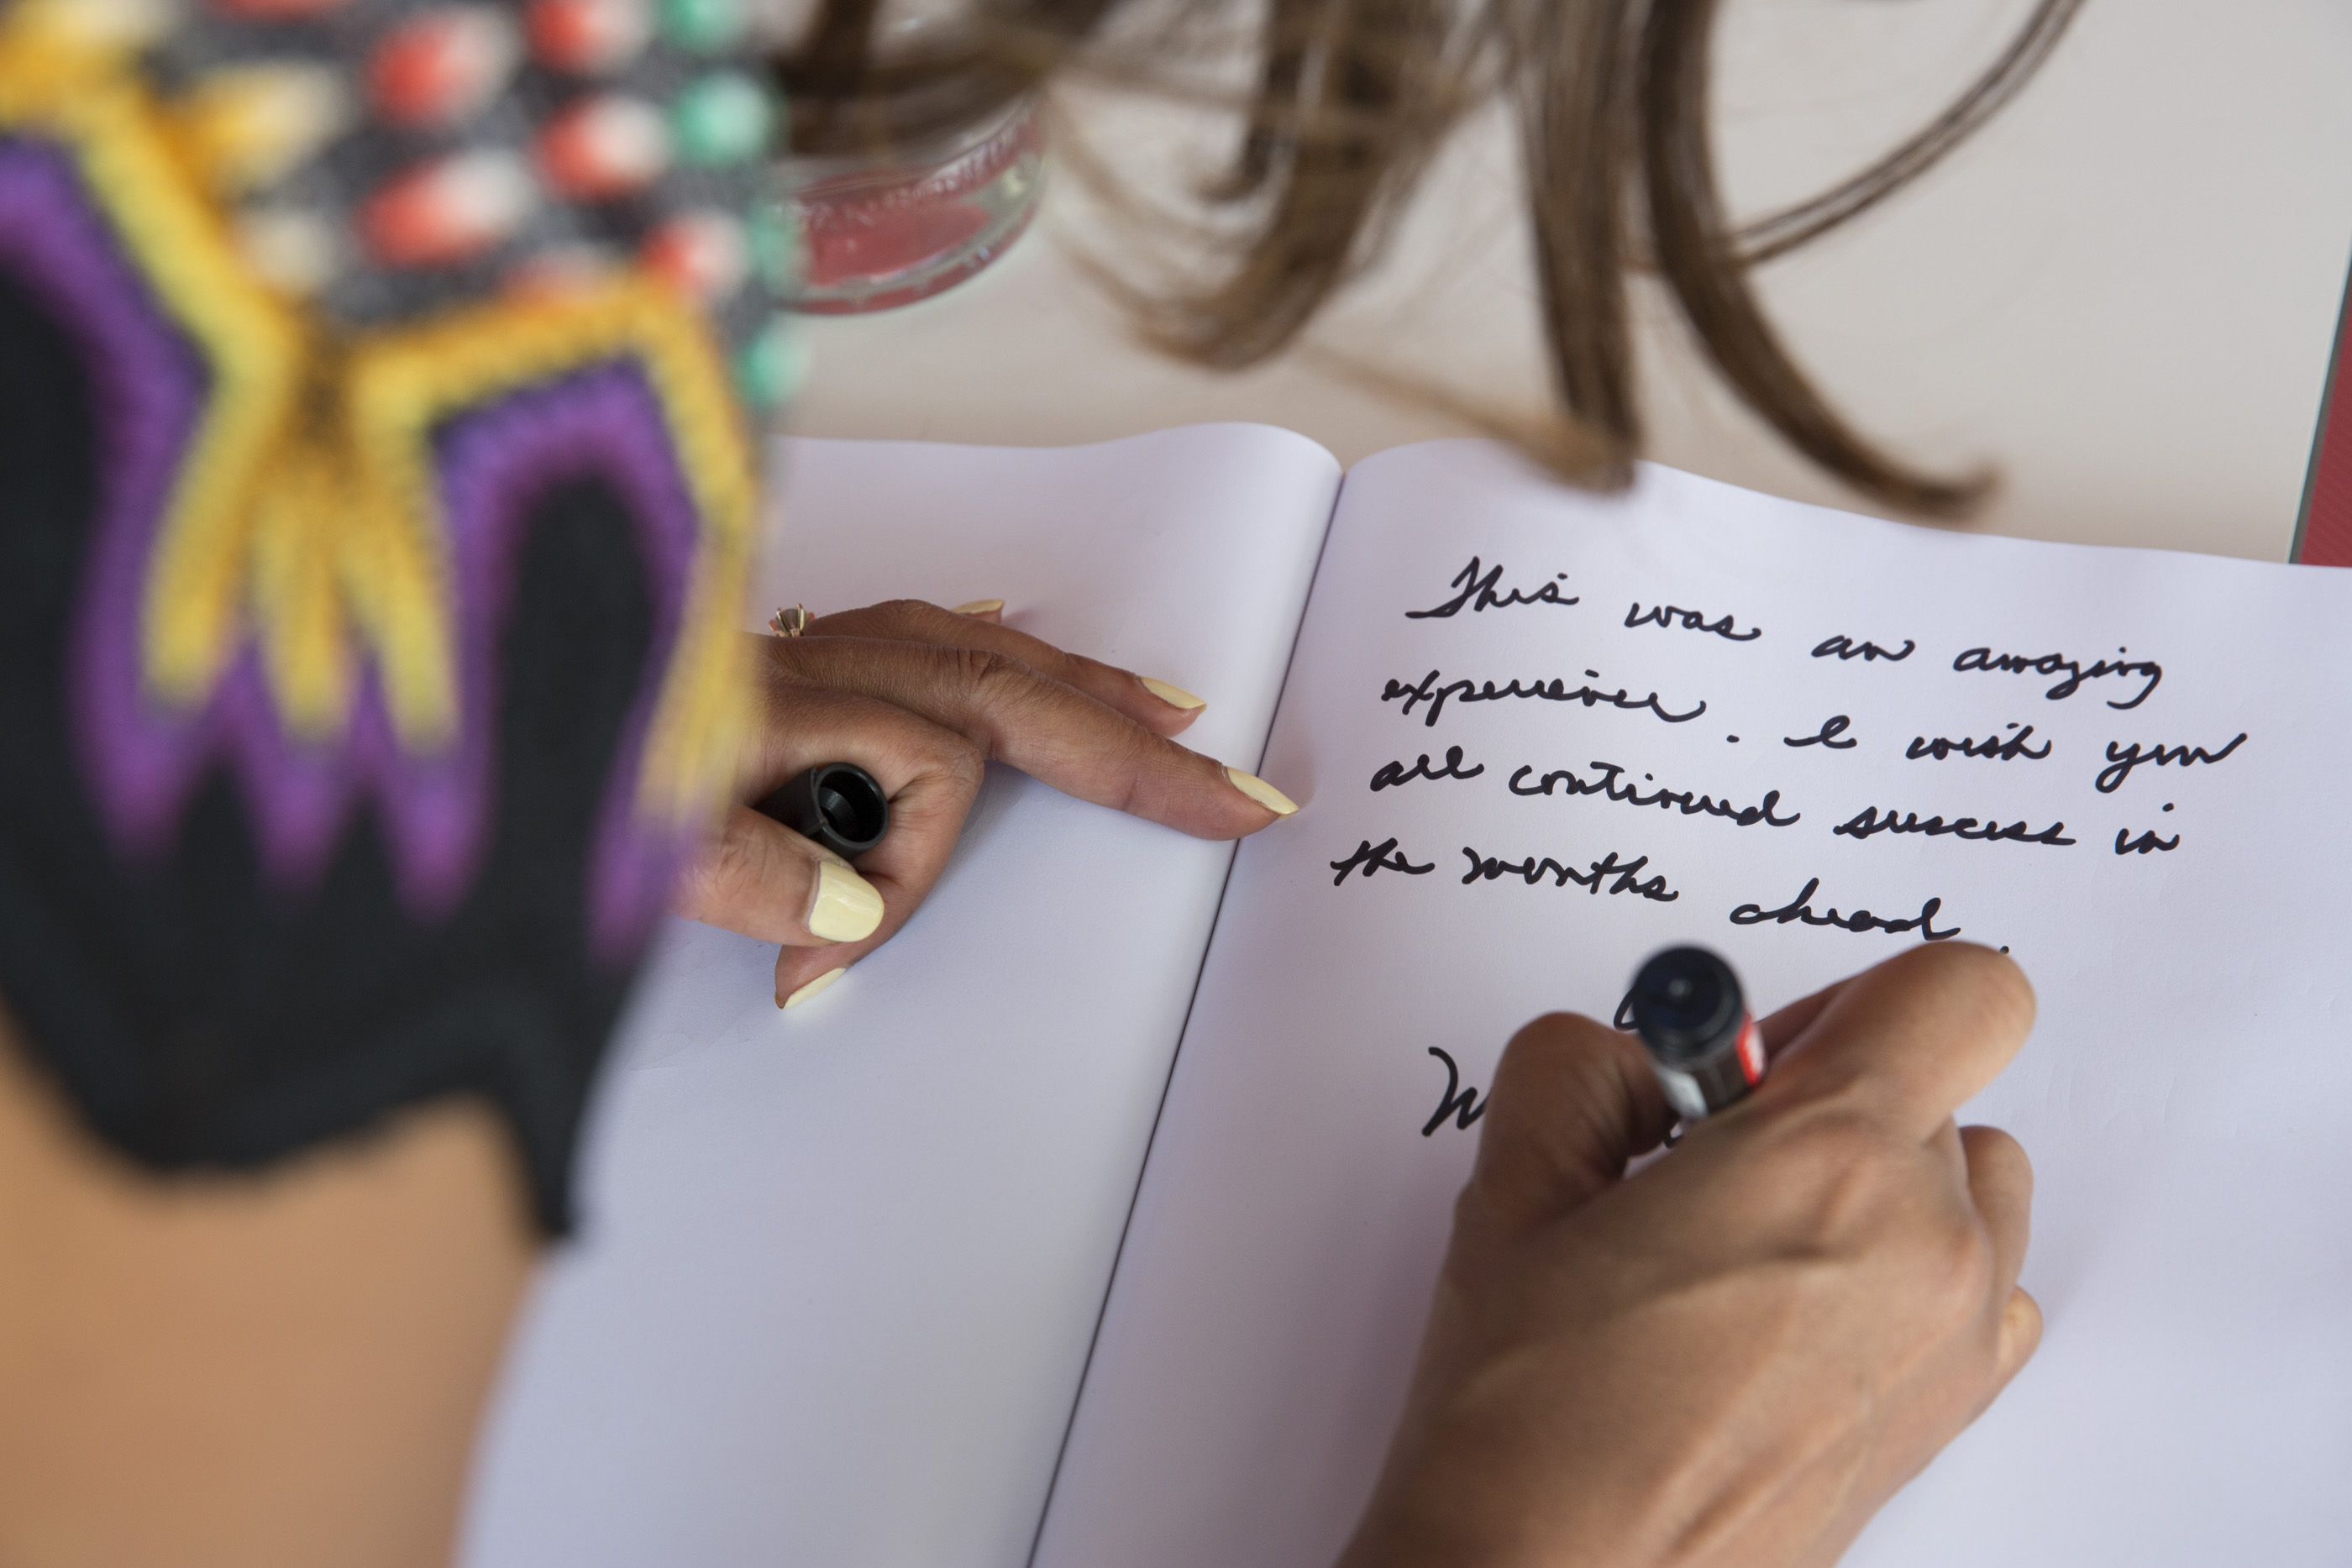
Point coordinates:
pixel 725 117
pixel 775 241
pixel 771 366
pixel 702 27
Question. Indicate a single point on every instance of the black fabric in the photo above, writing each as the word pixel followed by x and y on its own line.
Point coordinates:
pixel 197 1017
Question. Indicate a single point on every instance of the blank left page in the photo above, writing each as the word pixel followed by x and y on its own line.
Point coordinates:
pixel 839 1269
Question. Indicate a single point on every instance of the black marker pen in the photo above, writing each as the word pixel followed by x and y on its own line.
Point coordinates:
pixel 1707 1051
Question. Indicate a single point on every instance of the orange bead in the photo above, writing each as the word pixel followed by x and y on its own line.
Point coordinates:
pixel 588 38
pixel 704 256
pixel 448 211
pixel 442 66
pixel 607 147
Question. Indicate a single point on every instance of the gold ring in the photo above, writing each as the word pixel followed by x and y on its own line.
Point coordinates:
pixel 790 622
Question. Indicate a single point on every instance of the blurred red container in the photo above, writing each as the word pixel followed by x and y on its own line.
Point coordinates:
pixel 882 232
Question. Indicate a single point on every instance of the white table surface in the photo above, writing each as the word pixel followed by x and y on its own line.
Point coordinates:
pixel 2122 293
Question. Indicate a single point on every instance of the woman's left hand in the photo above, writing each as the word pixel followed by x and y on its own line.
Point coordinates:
pixel 923 698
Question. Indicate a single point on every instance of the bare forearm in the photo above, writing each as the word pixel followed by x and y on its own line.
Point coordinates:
pixel 276 1369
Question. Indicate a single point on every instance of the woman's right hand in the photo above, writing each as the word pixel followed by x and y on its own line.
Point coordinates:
pixel 1737 1355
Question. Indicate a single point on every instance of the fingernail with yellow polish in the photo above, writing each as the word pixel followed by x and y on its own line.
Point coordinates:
pixel 845 907
pixel 1263 793
pixel 980 607
pixel 1174 696
pixel 813 988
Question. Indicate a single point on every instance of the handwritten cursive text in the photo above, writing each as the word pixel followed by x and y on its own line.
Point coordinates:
pixel 1393 773
pixel 1832 727
pixel 1382 856
pixel 1625 877
pixel 1868 653
pixel 2076 672
pixel 1689 620
pixel 1800 908
pixel 1991 746
pixel 1868 821
pixel 1478 594
pixel 1610 783
pixel 1554 690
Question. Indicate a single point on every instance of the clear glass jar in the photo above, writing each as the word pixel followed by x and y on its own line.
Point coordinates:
pixel 878 232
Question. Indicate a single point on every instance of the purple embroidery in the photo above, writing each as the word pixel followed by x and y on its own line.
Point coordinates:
pixel 495 462
pixel 142 760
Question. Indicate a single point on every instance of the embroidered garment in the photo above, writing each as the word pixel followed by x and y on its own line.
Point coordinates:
pixel 375 501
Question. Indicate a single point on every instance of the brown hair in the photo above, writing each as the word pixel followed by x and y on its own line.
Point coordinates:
pixel 1350 99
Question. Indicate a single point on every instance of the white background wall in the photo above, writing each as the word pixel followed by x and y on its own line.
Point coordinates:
pixel 2122 293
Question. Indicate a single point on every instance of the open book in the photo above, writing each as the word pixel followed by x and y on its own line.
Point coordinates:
pixel 1091 1223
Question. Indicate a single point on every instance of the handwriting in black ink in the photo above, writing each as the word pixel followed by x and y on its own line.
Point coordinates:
pixel 1666 800
pixel 1382 856
pixel 1991 746
pixel 1868 653
pixel 1985 659
pixel 1800 908
pixel 1532 870
pixel 1554 690
pixel 1689 620
pixel 1867 822
pixel 1832 727
pixel 1394 773
pixel 1478 594
pixel 2126 844
pixel 1463 1105
pixel 2122 760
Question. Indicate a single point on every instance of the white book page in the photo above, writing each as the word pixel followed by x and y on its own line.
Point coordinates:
pixel 839 1267
pixel 2186 1096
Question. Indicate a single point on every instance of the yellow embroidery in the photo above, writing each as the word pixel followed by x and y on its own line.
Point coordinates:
pixel 400 386
pixel 298 595
pixel 191 619
pixel 305 516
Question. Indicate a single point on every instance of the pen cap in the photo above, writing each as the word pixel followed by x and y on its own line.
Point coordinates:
pixel 1688 1005
pixel 836 804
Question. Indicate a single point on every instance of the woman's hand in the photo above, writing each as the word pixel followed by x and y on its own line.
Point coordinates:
pixel 922 698
pixel 1737 1355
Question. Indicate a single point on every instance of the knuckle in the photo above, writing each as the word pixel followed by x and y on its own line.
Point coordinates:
pixel 726 865
pixel 984 678
pixel 740 861
pixel 1958 1268
pixel 911 612
pixel 1843 1170
pixel 961 761
pixel 1137 757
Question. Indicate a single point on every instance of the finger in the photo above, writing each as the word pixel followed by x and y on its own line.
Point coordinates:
pixel 1785 1027
pixel 2000 1183
pixel 1913 1039
pixel 927 815
pixel 1945 1143
pixel 767 881
pixel 1573 1100
pixel 2020 1337
pixel 1159 705
pixel 1045 728
pixel 930 776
